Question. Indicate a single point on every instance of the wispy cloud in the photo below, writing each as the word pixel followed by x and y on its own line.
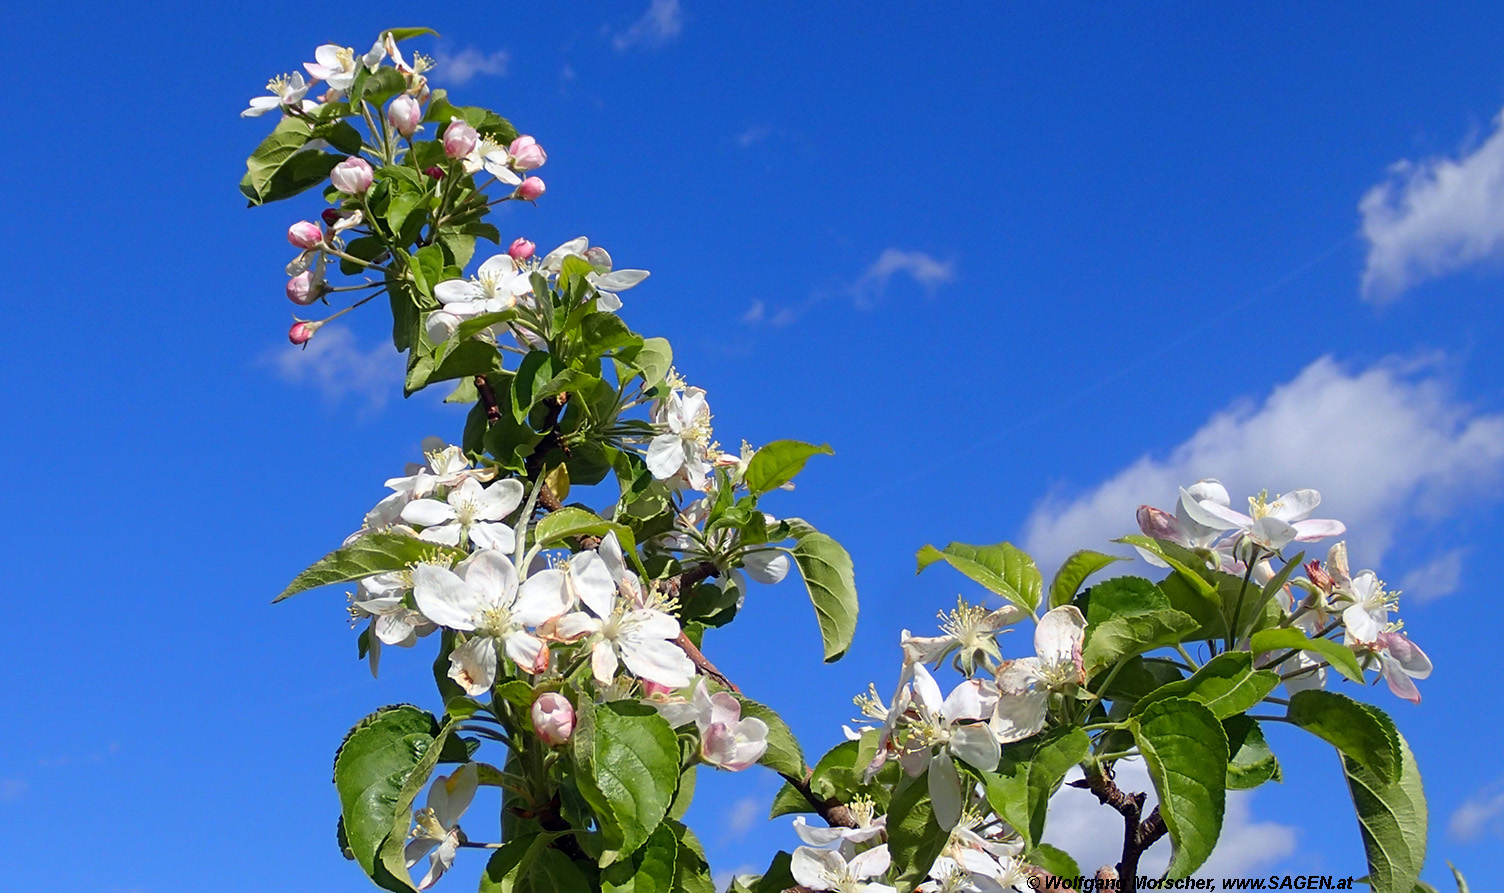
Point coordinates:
pixel 1434 217
pixel 924 269
pixel 461 67
pixel 1387 447
pixel 338 367
pixel 1479 815
pixel 1436 578
pixel 12 789
pixel 753 135
pixel 662 22
pixel 1081 826
pixel 744 815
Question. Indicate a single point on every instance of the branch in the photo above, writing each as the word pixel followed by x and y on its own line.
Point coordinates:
pixel 1137 836
pixel 488 399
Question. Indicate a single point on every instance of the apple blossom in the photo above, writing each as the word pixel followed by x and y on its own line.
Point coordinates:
pixel 1400 661
pixel 335 65
pixel 553 718
pixel 470 513
pixel 459 138
pixel 521 249
pixel 642 637
pixel 287 92
pixel 404 114
pixel 437 833
pixel 1268 525
pixel 352 176
pixel 1024 685
pixel 526 154
pixel 481 596
pixel 392 622
pixel 301 290
pixel 305 234
pixel 530 189
pixel 942 728
pixel 681 451
pixel 490 156
pixel 970 631
pixel 726 740
pixel 821 869
pixel 869 826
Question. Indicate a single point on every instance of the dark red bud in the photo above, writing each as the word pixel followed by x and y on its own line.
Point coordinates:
pixel 331 216
pixel 436 172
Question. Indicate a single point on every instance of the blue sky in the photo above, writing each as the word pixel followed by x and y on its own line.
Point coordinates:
pixel 1024 268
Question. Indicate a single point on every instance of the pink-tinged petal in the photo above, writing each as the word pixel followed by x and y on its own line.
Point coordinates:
pixel 725 709
pixel 1158 523
pixel 493 535
pixel 528 653
pixel 1210 514
pixel 1296 505
pixel 427 512
pixel 1399 681
pixel 976 745
pixel 945 790
pixel 473 665
pixel 1318 529
pixel 444 598
pixel 603 662
pixel 493 575
pixel 1017 717
pixel 573 626
pixel 1058 637
pixel 1406 654
pixel 659 661
pixel 1271 533
pixel 964 702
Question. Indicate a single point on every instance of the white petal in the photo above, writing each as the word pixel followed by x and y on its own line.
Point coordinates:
pixel 457 291
pixel 660 661
pixel 1296 505
pixel 871 863
pixel 766 566
pixel 620 280
pixel 945 789
pixel 492 574
pixel 927 690
pixel 427 512
pixel 1019 716
pixel 591 582
pixel 444 598
pixel 817 869
pixel 976 744
pixel 499 500
pixel 1059 635
pixel 1210 514
pixel 665 456
pixel 473 665
pixel 493 535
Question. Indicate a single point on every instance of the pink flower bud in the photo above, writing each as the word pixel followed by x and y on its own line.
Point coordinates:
pixel 302 331
pixel 330 216
pixel 404 114
pixel 530 189
pixel 526 153
pixel 351 176
pixel 650 688
pixel 522 249
pixel 305 234
pixel 553 718
pixel 459 139
pixel 436 172
pixel 302 290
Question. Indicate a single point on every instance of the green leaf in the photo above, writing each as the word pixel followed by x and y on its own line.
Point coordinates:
pixel 778 462
pixel 1004 569
pixel 915 839
pixel 1457 876
pixel 1191 599
pixel 379 769
pixel 373 553
pixel 536 370
pixel 340 135
pixel 1124 636
pixel 572 521
pixel 401 34
pixel 461 359
pixel 1227 684
pixel 1056 753
pixel 783 754
pixel 652 361
pixel 831 581
pixel 1185 750
pixel 778 877
pixel 839 775
pixel 528 864
pixel 604 333
pixel 1118 597
pixel 290 135
pixel 1392 819
pixel 1362 732
pixel 1074 571
pixel 631 759
pixel 1054 860
pixel 1251 762
pixel 691 871
pixel 650 870
pixel 1338 655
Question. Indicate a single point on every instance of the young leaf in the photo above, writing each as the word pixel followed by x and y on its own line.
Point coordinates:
pixel 571 521
pixel 831 581
pixel 1074 571
pixel 1363 733
pixel 373 553
pixel 1227 684
pixel 1186 751
pixel 778 462
pixel 1392 819
pixel 1004 569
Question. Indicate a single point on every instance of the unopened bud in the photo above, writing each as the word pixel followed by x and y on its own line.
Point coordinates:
pixel 404 114
pixel 302 331
pixel 522 249
pixel 553 718
pixel 436 172
pixel 303 290
pixel 530 189
pixel 305 234
pixel 330 216
pixel 459 139
pixel 526 153
pixel 351 176
pixel 1319 577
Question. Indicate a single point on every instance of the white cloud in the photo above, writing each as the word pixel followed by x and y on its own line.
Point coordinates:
pixel 1093 833
pixel 744 815
pixel 753 135
pixel 460 67
pixel 662 22
pixel 755 313
pixel 337 366
pixel 1478 815
pixel 922 268
pixel 1434 217
pixel 1438 577
pixel 1387 447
